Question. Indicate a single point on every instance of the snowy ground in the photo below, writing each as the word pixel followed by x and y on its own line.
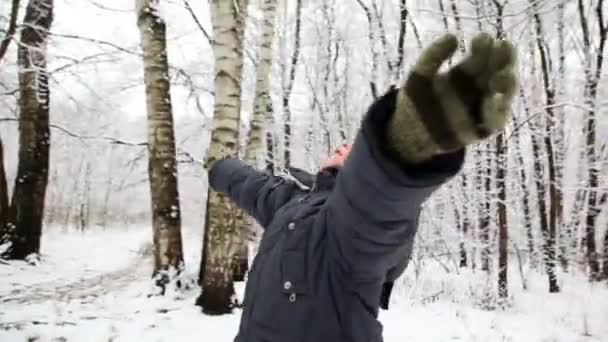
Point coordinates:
pixel 94 287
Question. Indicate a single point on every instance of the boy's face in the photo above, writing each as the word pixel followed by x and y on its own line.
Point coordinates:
pixel 338 158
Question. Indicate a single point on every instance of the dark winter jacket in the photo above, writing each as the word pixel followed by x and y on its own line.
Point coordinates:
pixel 327 250
pixel 328 178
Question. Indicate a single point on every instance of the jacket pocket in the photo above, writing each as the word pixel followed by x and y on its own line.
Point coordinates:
pixel 294 273
pixel 286 306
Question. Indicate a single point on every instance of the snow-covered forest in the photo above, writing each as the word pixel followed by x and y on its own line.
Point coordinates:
pixel 111 112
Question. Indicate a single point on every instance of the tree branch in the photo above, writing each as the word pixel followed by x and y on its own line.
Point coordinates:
pixel 84 138
pixel 198 23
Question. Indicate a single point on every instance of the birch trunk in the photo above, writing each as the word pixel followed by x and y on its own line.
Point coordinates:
pixel 27 205
pixel 221 232
pixel 289 86
pixel 262 106
pixel 162 165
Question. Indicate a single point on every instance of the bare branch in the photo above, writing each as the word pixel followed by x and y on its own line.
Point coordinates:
pixel 383 40
pixel 106 8
pixel 198 23
pixel 372 41
pixel 84 138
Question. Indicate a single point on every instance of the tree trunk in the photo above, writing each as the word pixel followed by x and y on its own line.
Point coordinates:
pixel 548 251
pixel 162 165
pixel 221 232
pixel 593 75
pixel 289 86
pixel 605 261
pixel 84 211
pixel 559 137
pixel 503 232
pixel 403 13
pixel 485 174
pixel 262 105
pixel 523 182
pixel 27 205
pixel 4 204
pixel 549 227
pixel 458 23
pixel 444 15
pixel 501 170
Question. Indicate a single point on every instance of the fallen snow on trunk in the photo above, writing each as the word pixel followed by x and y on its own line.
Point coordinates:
pixel 96 287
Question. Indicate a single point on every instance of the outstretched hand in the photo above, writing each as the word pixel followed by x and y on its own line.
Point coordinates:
pixel 442 112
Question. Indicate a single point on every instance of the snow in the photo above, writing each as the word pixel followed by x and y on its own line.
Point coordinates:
pixel 95 287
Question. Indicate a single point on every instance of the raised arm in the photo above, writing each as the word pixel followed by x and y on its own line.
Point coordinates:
pixel 259 193
pixel 412 140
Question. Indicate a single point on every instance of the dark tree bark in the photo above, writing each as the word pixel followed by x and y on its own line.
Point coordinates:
pixel 458 24
pixel 27 204
pixel 403 13
pixel 593 74
pixel 485 184
pixel 501 170
pixel 444 15
pixel 542 208
pixel 4 204
pixel 503 232
pixel 550 229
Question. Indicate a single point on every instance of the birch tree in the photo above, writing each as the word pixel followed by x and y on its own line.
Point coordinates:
pixel 25 216
pixel 262 108
pixel 262 105
pixel 289 82
pixel 221 239
pixel 162 166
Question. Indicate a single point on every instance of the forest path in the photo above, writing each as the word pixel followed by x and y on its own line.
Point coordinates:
pixel 87 289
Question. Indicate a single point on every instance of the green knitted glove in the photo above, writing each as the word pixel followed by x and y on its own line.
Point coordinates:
pixel 439 113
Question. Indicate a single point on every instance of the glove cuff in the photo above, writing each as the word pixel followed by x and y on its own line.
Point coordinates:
pixel 408 135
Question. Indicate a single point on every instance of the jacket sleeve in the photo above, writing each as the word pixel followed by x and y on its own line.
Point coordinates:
pixel 259 193
pixel 374 208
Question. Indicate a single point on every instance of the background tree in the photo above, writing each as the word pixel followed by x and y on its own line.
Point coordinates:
pixel 162 166
pixel 288 85
pixel 262 108
pixel 221 237
pixel 501 175
pixel 593 61
pixel 549 213
pixel 25 216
